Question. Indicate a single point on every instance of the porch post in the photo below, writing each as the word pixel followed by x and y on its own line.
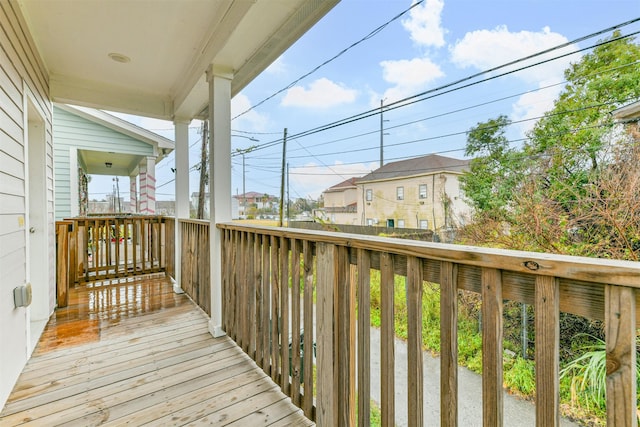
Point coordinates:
pixel 182 193
pixel 219 181
pixel 148 185
pixel 133 193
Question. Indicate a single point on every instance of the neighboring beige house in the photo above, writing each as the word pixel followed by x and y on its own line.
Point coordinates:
pixel 340 203
pixel 422 192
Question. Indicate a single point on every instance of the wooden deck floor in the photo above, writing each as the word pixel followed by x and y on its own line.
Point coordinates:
pixel 135 353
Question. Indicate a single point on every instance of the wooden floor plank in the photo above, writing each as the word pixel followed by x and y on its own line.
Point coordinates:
pixel 140 354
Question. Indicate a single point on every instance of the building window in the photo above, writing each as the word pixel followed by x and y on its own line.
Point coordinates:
pixel 424 224
pixel 422 191
pixel 369 221
pixel 333 218
pixel 400 193
pixel 401 223
pixel 369 195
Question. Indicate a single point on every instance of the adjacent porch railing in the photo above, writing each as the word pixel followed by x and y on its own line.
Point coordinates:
pixel 275 278
pixel 107 247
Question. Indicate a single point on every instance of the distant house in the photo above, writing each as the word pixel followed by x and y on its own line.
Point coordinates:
pixel 340 203
pixel 253 199
pixel 422 192
pixel 92 142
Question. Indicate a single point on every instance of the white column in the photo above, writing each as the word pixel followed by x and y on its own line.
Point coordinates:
pixel 219 181
pixel 148 186
pixel 133 193
pixel 182 192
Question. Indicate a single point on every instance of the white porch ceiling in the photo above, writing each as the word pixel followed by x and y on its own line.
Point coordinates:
pixel 170 43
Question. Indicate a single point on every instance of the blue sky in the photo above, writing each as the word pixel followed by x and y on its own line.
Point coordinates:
pixel 436 43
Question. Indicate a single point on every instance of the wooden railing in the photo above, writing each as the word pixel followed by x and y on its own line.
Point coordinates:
pixel 110 247
pixel 194 266
pixel 263 307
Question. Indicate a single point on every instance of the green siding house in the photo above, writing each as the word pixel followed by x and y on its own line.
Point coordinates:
pixel 92 142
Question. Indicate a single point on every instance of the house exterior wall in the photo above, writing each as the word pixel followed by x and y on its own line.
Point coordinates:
pixel 24 94
pixel 72 133
pixel 336 204
pixel 413 210
pixel 341 198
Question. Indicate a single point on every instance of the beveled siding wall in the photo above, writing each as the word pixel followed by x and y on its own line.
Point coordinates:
pixel 20 67
pixel 72 133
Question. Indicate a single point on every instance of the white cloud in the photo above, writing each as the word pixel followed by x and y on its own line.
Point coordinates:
pixel 424 24
pixel 408 76
pixel 322 93
pixel 252 120
pixel 277 67
pixel 312 179
pixel 534 104
pixel 485 49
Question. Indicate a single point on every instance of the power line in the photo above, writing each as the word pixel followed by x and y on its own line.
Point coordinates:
pixel 342 52
pixel 439 91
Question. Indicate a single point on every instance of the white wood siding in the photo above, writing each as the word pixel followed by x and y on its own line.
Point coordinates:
pixel 19 67
pixel 71 132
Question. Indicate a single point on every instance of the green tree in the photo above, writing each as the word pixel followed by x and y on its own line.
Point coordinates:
pixel 489 183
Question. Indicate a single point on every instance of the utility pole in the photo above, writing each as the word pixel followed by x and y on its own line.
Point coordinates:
pixel 203 169
pixel 284 160
pixel 381 135
pixel 244 191
pixel 288 197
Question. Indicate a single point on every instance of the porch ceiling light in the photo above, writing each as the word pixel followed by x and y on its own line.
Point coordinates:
pixel 118 57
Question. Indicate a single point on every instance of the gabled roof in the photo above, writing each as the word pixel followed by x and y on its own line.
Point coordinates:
pixel 425 165
pixel 344 185
pixel 162 145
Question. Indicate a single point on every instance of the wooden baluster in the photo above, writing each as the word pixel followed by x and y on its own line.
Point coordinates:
pixel 309 332
pixel 448 344
pixel 266 305
pixel 258 303
pixel 492 404
pixel 242 285
pixel 73 253
pixel 251 294
pixel 620 332
pixel 275 311
pixel 387 334
pixel 295 324
pixel 364 342
pixel 345 338
pixel 547 322
pixel 414 341
pixel 284 313
pixel 327 282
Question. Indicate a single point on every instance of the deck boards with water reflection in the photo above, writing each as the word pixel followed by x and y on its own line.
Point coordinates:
pixel 132 351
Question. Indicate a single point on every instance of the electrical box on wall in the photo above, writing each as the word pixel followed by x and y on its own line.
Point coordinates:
pixel 22 295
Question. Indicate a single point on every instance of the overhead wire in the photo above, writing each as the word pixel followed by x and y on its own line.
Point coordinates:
pixel 439 91
pixel 333 58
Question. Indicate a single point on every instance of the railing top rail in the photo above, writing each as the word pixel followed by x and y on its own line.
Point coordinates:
pixel 194 221
pixel 597 270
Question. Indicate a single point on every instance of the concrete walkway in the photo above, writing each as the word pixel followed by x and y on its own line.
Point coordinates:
pixel 517 412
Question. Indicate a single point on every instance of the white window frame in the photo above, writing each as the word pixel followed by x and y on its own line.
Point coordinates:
pixel 424 222
pixel 368 195
pixel 400 193
pixel 422 194
pixel 400 223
